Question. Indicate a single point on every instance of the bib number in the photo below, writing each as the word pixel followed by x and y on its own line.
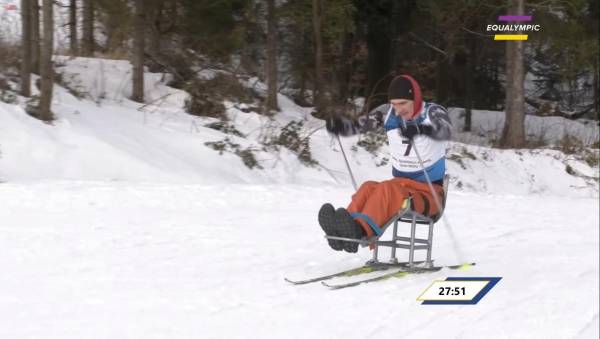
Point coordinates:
pixel 409 148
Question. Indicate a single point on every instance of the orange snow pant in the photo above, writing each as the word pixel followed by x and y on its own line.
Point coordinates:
pixel 377 202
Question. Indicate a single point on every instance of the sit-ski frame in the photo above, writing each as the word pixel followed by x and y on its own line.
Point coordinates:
pixel 407 215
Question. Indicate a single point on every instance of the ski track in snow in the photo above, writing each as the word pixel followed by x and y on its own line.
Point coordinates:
pixel 588 329
pixel 133 260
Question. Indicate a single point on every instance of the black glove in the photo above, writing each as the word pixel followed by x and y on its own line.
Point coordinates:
pixel 411 130
pixel 334 125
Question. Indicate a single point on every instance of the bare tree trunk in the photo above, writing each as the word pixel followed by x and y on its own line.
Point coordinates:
pixel 302 91
pixel 271 58
pixel 87 43
pixel 379 53
pixel 441 80
pixel 26 48
pixel 138 53
pixel 344 69
pixel 44 110
pixel 596 88
pixel 73 27
pixel 35 36
pixel 153 16
pixel 318 86
pixel 513 135
pixel 468 97
pixel 469 74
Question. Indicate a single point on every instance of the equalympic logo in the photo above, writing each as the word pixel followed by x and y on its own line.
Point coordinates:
pixel 509 29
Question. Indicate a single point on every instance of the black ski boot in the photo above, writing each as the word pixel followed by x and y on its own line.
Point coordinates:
pixel 347 227
pixel 328 224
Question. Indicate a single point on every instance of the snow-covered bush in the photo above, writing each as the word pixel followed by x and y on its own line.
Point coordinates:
pixel 290 137
pixel 246 154
pixel 206 96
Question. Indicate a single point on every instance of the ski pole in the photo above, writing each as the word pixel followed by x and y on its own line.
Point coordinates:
pixel 347 164
pixel 439 205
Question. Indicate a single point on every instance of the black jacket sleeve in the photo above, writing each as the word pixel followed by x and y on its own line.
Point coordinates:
pixel 440 123
pixel 347 127
pixel 374 120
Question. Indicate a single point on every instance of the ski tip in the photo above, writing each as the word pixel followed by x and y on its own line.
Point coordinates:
pixel 465 267
pixel 334 287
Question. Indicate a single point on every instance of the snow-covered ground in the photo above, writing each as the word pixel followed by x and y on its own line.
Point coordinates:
pixel 130 260
pixel 118 222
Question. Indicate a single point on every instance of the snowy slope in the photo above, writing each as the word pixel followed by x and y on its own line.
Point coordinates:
pixel 115 140
pixel 118 222
pixel 107 137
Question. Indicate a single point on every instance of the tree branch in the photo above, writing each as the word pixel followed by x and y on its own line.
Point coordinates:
pixel 428 44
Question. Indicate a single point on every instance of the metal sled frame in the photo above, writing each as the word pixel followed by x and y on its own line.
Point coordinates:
pixel 411 243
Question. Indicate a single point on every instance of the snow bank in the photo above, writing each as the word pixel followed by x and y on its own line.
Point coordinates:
pixel 487 125
pixel 104 136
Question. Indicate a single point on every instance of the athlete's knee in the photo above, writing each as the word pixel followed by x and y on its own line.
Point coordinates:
pixel 368 184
